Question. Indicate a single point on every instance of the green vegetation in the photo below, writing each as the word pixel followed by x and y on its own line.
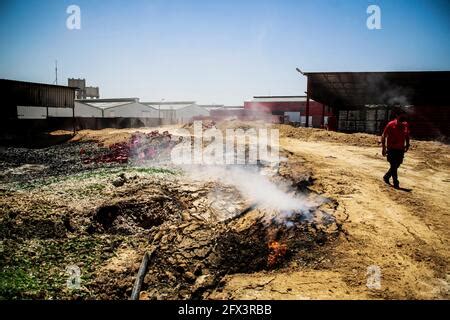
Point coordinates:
pixel 98 173
pixel 36 269
pixel 36 248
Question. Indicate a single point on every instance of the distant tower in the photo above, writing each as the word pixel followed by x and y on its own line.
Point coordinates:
pixel 83 92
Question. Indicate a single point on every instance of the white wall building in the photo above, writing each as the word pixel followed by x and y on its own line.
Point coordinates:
pixel 178 111
pixel 31 112
pixel 87 111
pixel 28 112
pixel 168 112
pixel 187 113
pixel 114 108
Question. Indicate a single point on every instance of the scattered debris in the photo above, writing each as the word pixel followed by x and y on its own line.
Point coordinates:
pixel 119 180
pixel 140 147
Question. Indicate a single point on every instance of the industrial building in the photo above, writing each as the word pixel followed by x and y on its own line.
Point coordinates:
pixel 92 108
pixel 18 94
pixel 28 100
pixel 82 91
pixel 114 108
pixel 171 112
pixel 343 101
pixel 363 101
pixel 291 109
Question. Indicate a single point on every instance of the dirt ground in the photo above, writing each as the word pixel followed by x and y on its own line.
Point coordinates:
pixel 102 218
pixel 403 232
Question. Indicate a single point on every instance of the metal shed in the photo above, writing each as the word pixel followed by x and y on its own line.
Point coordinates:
pixel 423 94
pixel 29 94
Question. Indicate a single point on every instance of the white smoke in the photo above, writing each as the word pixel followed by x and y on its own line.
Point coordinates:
pixel 257 188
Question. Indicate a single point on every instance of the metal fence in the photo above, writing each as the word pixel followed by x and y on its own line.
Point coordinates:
pixel 366 120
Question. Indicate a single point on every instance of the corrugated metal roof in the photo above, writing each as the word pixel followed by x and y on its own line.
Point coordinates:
pixel 357 89
pixel 109 100
pixel 109 103
pixel 37 83
pixel 105 105
pixel 168 102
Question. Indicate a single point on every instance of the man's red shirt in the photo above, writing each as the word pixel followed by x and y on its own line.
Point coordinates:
pixel 396 133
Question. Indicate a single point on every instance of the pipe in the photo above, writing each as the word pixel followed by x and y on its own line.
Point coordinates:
pixel 141 274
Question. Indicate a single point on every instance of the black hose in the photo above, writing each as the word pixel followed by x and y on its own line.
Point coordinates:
pixel 141 274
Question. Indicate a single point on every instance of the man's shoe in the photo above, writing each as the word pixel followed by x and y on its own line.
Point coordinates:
pixel 386 179
pixel 396 185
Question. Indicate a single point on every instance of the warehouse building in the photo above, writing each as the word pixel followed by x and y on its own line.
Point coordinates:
pixel 364 101
pixel 114 113
pixel 114 108
pixel 172 112
pixel 188 113
pixel 23 101
pixel 86 110
pixel 18 95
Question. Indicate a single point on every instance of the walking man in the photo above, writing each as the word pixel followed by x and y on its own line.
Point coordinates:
pixel 396 133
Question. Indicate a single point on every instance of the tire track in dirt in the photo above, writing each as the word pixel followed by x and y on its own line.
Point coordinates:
pixel 387 227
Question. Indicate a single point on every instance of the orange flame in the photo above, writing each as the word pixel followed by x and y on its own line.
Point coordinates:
pixel 276 252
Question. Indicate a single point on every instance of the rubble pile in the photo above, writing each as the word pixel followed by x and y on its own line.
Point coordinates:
pixel 194 241
pixel 191 258
pixel 152 146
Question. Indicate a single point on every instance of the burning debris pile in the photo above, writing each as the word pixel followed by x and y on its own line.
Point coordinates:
pixel 199 226
pixel 141 147
pixel 189 260
pixel 199 231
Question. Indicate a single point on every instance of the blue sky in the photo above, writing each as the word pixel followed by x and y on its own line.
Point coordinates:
pixel 217 51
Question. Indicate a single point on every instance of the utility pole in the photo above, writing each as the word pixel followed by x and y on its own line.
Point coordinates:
pixel 56 71
pixel 307 101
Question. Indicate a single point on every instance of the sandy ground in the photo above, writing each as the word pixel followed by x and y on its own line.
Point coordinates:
pixel 110 136
pixel 402 233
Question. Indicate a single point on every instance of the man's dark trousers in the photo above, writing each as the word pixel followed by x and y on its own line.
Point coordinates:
pixel 395 158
